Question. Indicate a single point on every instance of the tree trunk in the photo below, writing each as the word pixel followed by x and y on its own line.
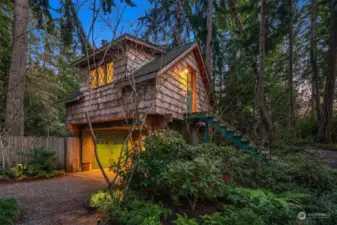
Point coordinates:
pixel 313 60
pixel 86 46
pixel 209 54
pixel 291 63
pixel 261 80
pixel 16 84
pixel 179 25
pixel 324 132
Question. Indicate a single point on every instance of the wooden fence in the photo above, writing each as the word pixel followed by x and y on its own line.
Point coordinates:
pixel 73 156
pixel 11 146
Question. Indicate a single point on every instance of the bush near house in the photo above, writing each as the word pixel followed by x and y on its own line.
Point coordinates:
pixel 9 211
pixel 210 184
pixel 41 164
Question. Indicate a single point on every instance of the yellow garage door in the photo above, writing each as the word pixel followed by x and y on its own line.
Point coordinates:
pixel 109 145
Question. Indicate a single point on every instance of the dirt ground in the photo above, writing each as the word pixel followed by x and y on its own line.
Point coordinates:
pixel 59 201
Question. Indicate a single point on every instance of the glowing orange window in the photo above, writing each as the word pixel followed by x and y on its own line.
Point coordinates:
pixel 110 72
pixel 93 78
pixel 101 78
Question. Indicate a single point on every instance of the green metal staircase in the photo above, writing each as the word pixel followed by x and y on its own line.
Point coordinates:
pixel 232 134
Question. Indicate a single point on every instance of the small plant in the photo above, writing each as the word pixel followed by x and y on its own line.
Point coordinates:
pixel 9 211
pixel 18 171
pixel 184 220
pixel 137 212
pixel 101 200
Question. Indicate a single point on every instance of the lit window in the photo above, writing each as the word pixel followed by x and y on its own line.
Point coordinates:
pixel 189 81
pixel 101 80
pixel 110 72
pixel 93 78
pixel 101 76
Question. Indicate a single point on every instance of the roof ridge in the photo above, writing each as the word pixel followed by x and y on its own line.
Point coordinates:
pixel 192 42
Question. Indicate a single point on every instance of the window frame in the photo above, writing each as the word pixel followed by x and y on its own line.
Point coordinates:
pixel 105 77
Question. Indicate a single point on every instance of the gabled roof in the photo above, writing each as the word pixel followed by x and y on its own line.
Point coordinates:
pixel 117 43
pixel 164 61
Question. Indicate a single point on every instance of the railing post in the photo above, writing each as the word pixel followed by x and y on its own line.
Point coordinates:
pixel 206 138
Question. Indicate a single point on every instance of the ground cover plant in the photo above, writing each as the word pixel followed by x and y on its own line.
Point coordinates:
pixel 9 211
pixel 210 184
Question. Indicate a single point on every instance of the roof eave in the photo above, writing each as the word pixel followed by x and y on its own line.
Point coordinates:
pixel 114 43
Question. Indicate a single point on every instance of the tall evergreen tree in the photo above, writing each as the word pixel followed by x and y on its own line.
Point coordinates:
pixel 16 84
pixel 261 79
pixel 325 128
pixel 167 21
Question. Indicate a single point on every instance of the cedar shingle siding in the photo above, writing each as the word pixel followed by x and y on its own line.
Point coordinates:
pixel 137 66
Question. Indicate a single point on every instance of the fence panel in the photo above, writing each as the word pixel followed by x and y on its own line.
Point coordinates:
pixel 73 163
pixel 13 145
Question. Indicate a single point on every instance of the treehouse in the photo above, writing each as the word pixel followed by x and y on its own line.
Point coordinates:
pixel 131 88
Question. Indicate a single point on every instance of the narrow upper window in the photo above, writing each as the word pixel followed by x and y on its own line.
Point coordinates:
pixel 102 75
pixel 101 78
pixel 93 78
pixel 110 72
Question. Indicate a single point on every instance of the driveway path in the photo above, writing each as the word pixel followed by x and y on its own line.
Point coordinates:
pixel 329 155
pixel 59 201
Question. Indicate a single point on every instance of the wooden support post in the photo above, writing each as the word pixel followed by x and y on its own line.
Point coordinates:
pixel 194 135
pixel 206 138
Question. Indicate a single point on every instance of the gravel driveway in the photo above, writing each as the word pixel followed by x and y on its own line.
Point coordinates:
pixel 59 201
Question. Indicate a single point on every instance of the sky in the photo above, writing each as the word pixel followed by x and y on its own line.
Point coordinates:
pixel 105 23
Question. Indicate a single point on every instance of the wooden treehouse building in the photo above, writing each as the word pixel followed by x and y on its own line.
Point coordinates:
pixel 131 85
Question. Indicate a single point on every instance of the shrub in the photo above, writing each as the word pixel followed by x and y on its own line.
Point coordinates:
pixel 101 200
pixel 137 212
pixel 9 211
pixel 18 171
pixel 233 216
pixel 197 179
pixel 184 220
pixel 308 127
pixel 41 174
pixel 269 207
pixel 2 171
pixel 160 150
pixel 323 203
pixel 299 169
pixel 40 159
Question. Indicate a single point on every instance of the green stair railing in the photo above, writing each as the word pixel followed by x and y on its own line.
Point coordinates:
pixel 234 136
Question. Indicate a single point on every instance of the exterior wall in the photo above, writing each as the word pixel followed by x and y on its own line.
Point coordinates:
pixel 171 89
pixel 109 102
pixel 137 57
pixel 165 95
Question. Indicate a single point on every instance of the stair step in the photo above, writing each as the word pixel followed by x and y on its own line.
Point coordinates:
pixel 229 129
pixel 268 157
pixel 265 152
pixel 237 134
pixel 252 145
pixel 244 139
